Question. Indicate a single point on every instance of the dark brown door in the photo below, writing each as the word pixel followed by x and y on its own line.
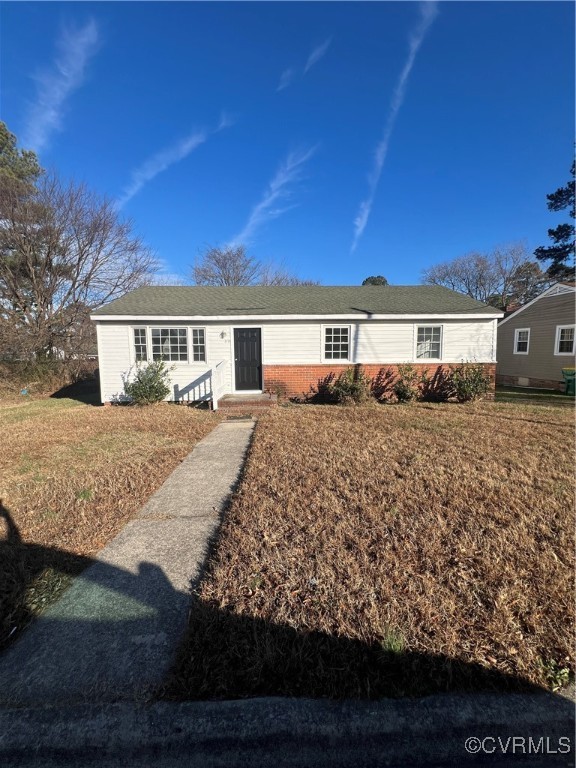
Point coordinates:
pixel 248 358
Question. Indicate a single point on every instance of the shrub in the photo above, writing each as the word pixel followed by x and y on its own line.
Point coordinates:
pixel 353 386
pixel 382 387
pixel 437 388
pixel 406 387
pixel 323 392
pixel 278 388
pixel 150 384
pixel 469 381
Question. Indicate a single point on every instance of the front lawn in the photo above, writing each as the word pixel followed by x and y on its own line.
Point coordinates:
pixel 505 394
pixel 71 476
pixel 391 550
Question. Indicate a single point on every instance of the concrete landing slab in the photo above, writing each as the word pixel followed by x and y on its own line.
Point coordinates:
pixel 113 633
pixel 254 398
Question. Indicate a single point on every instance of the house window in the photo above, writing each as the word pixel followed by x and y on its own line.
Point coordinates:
pixel 564 340
pixel 198 345
pixel 429 342
pixel 521 341
pixel 140 347
pixel 170 344
pixel 337 343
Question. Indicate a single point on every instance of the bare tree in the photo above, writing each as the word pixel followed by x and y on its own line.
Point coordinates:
pixel 226 266
pixel 502 277
pixel 233 266
pixel 271 274
pixel 63 252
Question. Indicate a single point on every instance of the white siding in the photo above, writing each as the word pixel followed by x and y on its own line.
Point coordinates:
pixel 113 358
pixel 471 342
pixel 377 341
pixel 190 381
pixel 285 343
pixel 291 343
pixel 382 342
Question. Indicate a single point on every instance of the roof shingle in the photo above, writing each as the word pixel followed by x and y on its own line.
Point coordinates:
pixel 204 301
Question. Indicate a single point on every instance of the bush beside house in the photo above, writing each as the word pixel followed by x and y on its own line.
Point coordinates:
pixel 461 383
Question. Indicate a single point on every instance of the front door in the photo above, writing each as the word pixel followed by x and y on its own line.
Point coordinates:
pixel 248 358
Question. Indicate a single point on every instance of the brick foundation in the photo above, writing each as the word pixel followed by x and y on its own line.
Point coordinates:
pixel 296 380
pixel 528 382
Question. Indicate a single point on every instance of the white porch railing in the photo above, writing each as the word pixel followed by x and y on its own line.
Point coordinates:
pixel 218 382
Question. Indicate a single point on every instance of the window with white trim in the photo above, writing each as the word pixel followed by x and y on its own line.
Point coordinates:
pixel 429 342
pixel 564 340
pixel 170 344
pixel 140 345
pixel 521 341
pixel 199 345
pixel 337 342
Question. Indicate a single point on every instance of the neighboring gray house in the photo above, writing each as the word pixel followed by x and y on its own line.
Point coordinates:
pixel 537 341
pixel 239 340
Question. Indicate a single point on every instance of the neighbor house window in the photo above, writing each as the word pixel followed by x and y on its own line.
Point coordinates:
pixel 337 343
pixel 198 345
pixel 521 341
pixel 429 342
pixel 140 347
pixel 170 344
pixel 564 340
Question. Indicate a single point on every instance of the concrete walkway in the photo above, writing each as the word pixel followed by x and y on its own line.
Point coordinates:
pixel 113 633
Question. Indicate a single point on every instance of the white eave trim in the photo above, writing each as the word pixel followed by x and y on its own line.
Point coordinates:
pixel 287 318
pixel 552 291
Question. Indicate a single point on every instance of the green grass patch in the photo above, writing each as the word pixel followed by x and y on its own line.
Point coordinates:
pixel 33 409
pixel 525 394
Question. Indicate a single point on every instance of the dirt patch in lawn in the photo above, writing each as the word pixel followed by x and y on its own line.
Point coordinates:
pixel 391 550
pixel 71 476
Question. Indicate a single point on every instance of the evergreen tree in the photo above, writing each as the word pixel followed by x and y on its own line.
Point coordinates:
pixel 561 253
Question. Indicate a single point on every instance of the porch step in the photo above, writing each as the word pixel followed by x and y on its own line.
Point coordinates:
pixel 247 402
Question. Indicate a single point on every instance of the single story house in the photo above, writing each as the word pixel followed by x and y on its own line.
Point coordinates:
pixel 254 339
pixel 536 341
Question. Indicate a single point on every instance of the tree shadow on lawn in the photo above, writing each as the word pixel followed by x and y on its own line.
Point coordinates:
pixel 118 642
pixel 226 656
pixel 107 637
pixel 29 574
pixel 85 391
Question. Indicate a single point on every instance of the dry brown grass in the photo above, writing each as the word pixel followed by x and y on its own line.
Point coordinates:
pixel 391 550
pixel 71 475
pixel 43 378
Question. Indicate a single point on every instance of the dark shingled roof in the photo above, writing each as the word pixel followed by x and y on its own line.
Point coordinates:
pixel 318 300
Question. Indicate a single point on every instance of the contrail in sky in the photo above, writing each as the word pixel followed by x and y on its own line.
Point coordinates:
pixel 166 157
pixel 160 162
pixel 317 54
pixel 428 12
pixel 285 79
pixel 278 190
pixel 75 47
pixel 287 76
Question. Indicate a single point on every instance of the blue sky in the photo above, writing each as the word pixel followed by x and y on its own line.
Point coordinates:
pixel 339 139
